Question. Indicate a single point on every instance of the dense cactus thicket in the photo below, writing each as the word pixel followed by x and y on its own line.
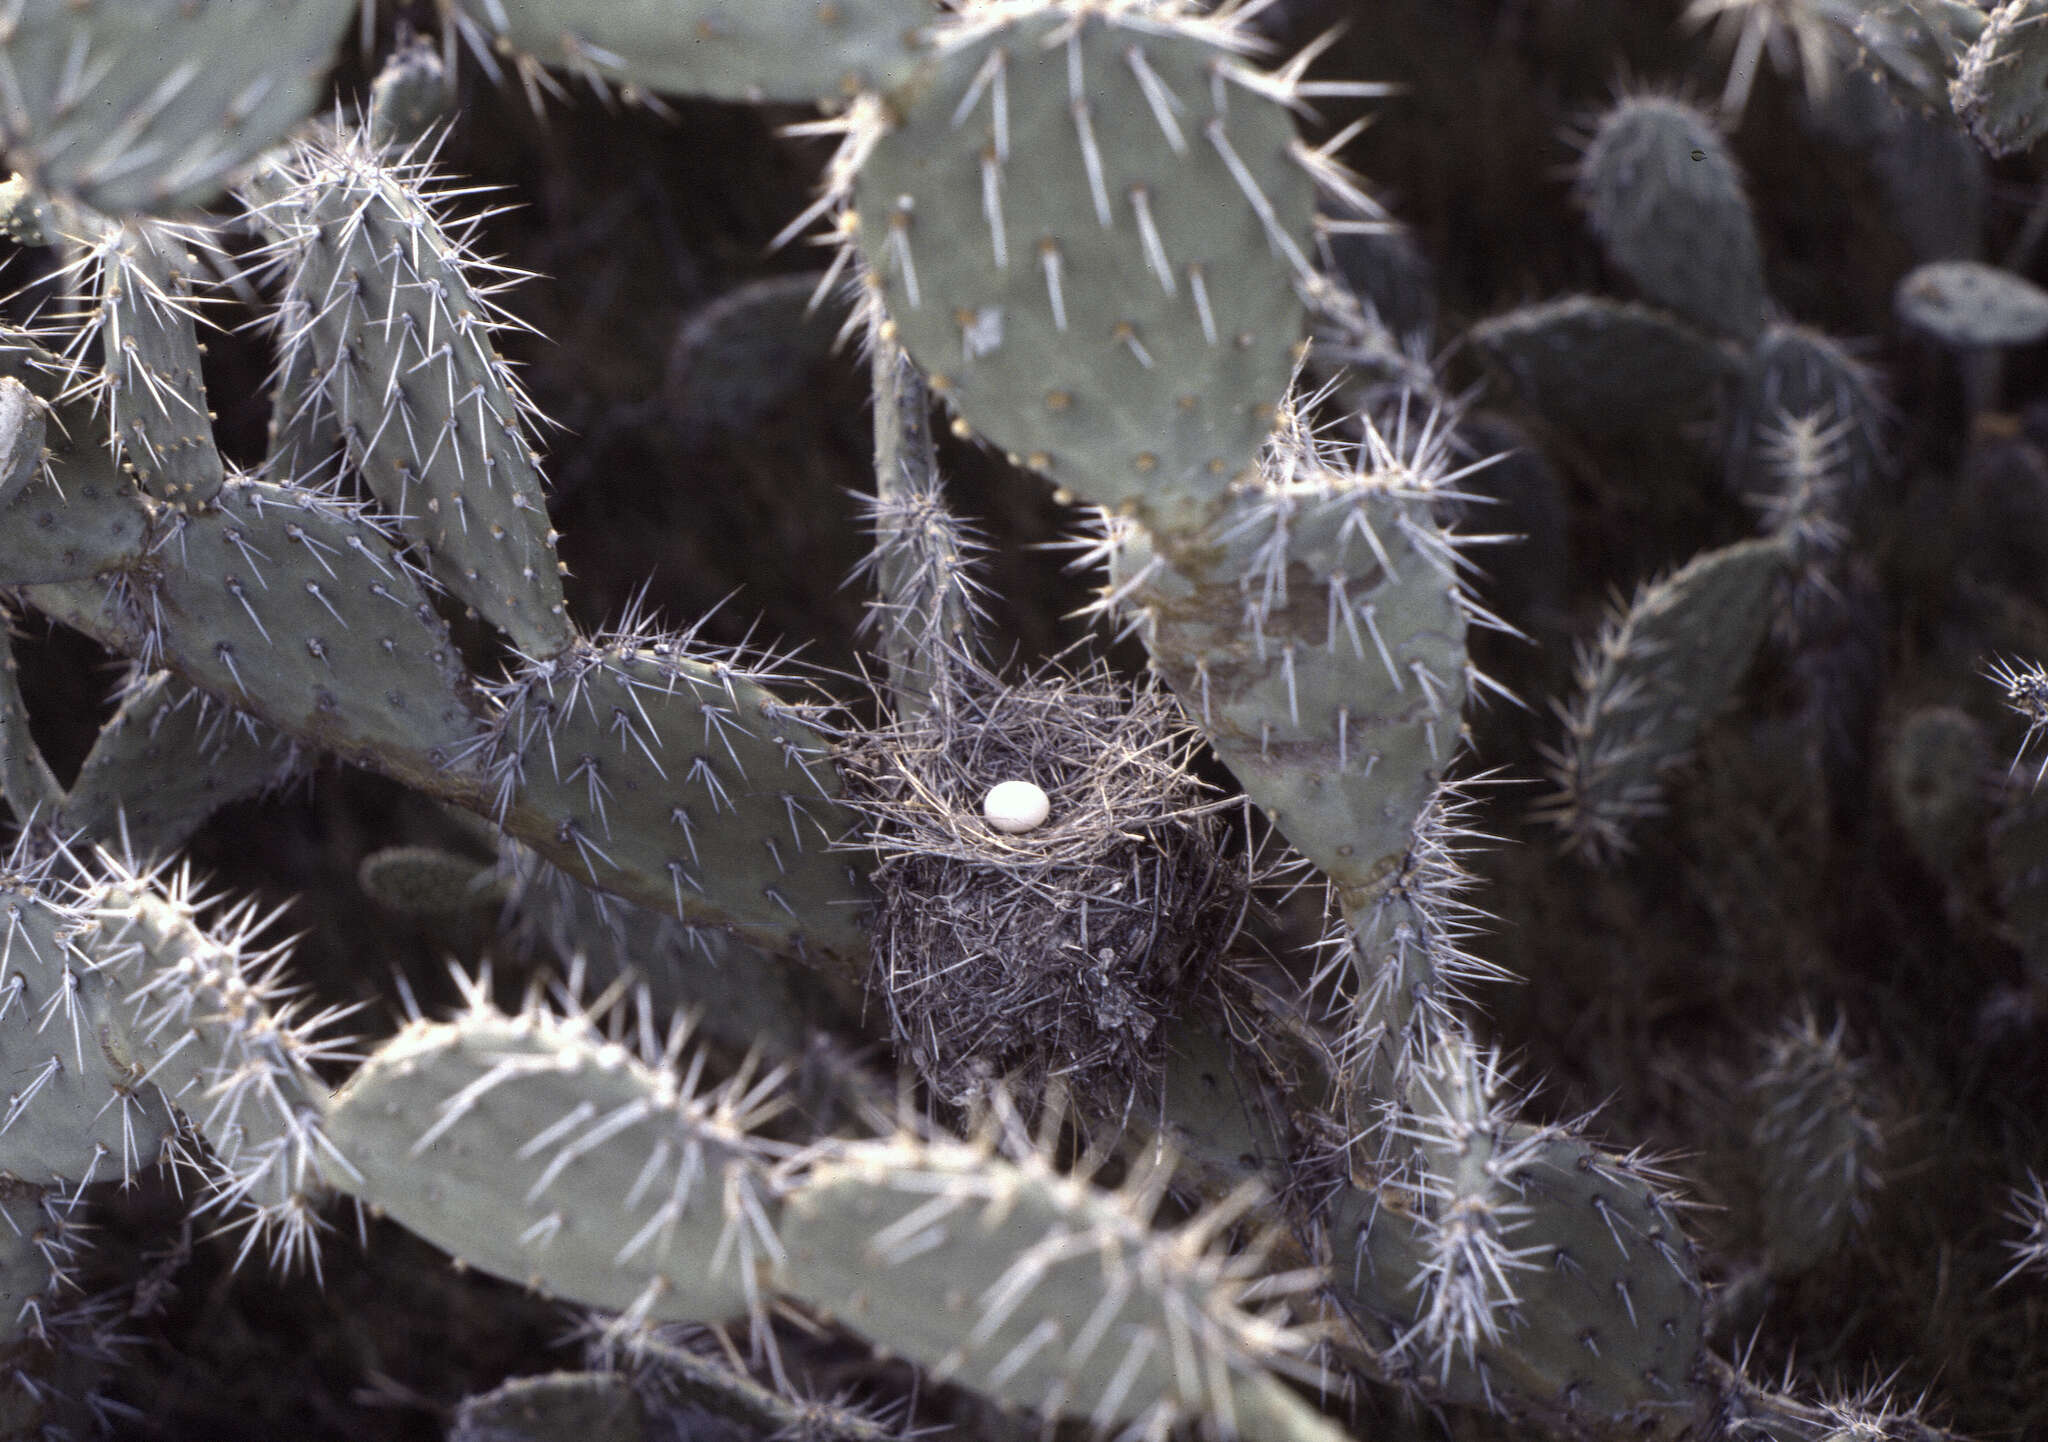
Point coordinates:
pixel 1001 718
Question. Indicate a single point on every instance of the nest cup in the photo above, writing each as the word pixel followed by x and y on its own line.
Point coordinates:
pixel 1064 949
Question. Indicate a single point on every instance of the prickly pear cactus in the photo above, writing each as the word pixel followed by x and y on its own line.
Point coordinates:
pixel 374 291
pixel 1082 1114
pixel 156 105
pixel 1088 227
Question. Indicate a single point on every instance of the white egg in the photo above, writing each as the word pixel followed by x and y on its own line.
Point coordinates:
pixel 1015 806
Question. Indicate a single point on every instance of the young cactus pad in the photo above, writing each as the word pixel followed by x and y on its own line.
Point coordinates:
pixel 1659 671
pixel 1601 1324
pixel 145 318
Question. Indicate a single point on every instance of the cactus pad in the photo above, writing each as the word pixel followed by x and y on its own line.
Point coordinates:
pixel 1036 1287
pixel 1321 645
pixel 1091 253
pixel 1595 364
pixel 677 779
pixel 798 50
pixel 146 323
pixel 536 1149
pixel 1969 303
pixel 154 105
pixel 167 759
pixel 298 608
pixel 1998 91
pixel 388 318
pixel 1659 671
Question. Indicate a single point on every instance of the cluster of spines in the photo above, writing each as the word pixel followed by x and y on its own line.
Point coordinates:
pixel 2026 694
pixel 1792 33
pixel 1309 480
pixel 1807 465
pixel 929 602
pixel 196 1016
pixel 1467 1157
pixel 1659 669
pixel 2028 1213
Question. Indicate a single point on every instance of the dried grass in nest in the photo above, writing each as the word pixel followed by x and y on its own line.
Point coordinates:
pixel 1060 952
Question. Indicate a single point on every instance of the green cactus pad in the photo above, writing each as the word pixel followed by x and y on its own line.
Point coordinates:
pixel 1094 263
pixel 537 1150
pixel 388 317
pixel 72 1108
pixel 217 1028
pixel 1595 364
pixel 145 320
pixel 1816 1143
pixel 739 358
pixel 1035 1287
pixel 1321 648
pixel 2000 89
pixel 155 105
pixel 79 519
pixel 411 97
pixel 1969 303
pixel 299 609
pixel 1604 1330
pixel 22 430
pixel 167 759
pixel 799 50
pixel 679 781
pixel 1659 671
pixel 1666 199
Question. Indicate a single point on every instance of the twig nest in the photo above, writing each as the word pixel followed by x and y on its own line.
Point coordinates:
pixel 1015 807
pixel 1000 963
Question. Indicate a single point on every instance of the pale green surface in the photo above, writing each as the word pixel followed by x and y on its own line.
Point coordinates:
pixel 718 49
pixel 156 105
pixel 1120 392
pixel 533 1151
pixel 399 342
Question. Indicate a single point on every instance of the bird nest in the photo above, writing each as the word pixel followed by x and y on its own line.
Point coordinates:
pixel 1062 951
